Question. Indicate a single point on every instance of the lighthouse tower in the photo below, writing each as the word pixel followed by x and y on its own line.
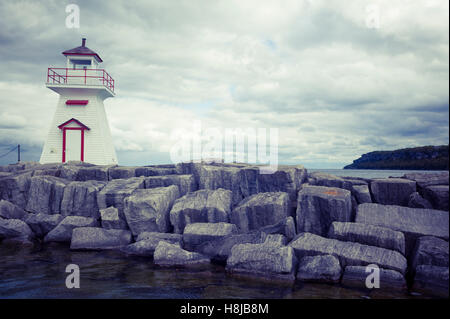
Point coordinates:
pixel 80 130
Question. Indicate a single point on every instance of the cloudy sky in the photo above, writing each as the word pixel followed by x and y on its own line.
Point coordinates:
pixel 337 78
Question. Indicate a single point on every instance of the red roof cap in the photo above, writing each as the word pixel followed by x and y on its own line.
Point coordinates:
pixel 83 50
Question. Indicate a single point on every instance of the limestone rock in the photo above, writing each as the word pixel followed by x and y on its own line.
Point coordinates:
pixel 10 211
pixel 93 238
pixel 412 222
pixel 185 183
pixel 14 188
pixel 15 228
pixel 348 253
pixel 148 209
pixel 80 199
pixel 42 224
pixel 63 232
pixel 368 235
pixel 428 179
pixel 167 254
pixel 46 194
pixel 392 191
pixel 430 251
pixel 320 269
pixel 203 206
pixel 437 196
pixel 197 234
pixel 148 241
pixel 417 201
pixel 432 279
pixel 110 219
pixel 285 227
pixel 319 206
pixel 260 210
pixel 362 194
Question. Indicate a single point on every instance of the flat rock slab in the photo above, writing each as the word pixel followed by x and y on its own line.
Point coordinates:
pixel 203 206
pixel 167 254
pixel 328 180
pixel 362 194
pixel 286 227
pixel 185 183
pixel 148 241
pixel 85 173
pixel 46 194
pixel 430 251
pixel 356 276
pixel 319 269
pixel 63 232
pixel 348 253
pixel 11 211
pixel 114 193
pixel 428 179
pixel 80 199
pixel 319 206
pixel 260 210
pixel 263 260
pixel 412 222
pixel 148 209
pixel 432 279
pixel 94 238
pixel 110 219
pixel 42 224
pixel 437 196
pixel 197 234
pixel 392 191
pixel 368 235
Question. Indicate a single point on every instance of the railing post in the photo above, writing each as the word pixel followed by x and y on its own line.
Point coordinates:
pixel 84 76
pixel 65 80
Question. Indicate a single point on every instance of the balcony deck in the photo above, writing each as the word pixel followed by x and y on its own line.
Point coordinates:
pixel 80 77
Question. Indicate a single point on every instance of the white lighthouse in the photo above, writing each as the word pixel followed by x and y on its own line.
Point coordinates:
pixel 80 130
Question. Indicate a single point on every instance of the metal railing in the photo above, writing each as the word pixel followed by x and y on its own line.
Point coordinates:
pixel 80 76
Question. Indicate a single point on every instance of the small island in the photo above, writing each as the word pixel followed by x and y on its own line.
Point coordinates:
pixel 417 158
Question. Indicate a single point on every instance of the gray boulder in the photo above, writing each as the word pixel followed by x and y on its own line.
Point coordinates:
pixel 15 228
pixel 80 199
pixel 148 209
pixel 319 206
pixel 185 183
pixel 263 260
pixel 10 211
pixel 93 238
pixel 412 222
pixel 110 219
pixel 355 277
pixel 260 210
pixel 197 234
pixel 63 232
pixel 167 254
pixel 348 253
pixel 417 201
pixel 203 206
pixel 428 179
pixel 285 227
pixel 220 249
pixel 46 194
pixel 114 193
pixel 328 180
pixel 148 241
pixel 437 196
pixel 85 173
pixel 361 193
pixel 392 191
pixel 42 224
pixel 122 172
pixel 14 188
pixel 161 170
pixel 432 279
pixel 430 251
pixel 368 235
pixel 319 269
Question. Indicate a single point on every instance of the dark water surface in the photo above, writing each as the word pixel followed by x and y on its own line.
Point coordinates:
pixel 41 273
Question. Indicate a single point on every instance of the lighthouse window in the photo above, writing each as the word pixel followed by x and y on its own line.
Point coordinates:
pixel 80 64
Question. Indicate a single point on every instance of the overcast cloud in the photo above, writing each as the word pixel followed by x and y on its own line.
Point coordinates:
pixel 334 87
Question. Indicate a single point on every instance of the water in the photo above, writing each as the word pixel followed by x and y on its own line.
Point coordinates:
pixel 368 173
pixel 40 273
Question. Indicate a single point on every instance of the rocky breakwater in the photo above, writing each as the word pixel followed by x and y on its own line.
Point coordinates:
pixel 289 226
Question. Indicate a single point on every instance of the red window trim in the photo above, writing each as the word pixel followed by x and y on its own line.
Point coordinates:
pixel 77 102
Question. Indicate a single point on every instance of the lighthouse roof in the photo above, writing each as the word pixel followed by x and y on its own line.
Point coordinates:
pixel 83 50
